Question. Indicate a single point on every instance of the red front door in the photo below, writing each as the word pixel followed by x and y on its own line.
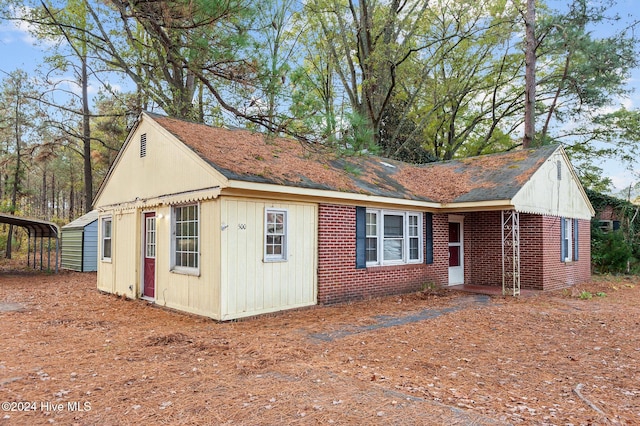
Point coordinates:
pixel 149 289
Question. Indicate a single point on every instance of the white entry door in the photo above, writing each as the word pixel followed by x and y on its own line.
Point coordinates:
pixel 456 251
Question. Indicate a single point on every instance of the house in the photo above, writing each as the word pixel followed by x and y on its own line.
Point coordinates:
pixel 80 243
pixel 230 223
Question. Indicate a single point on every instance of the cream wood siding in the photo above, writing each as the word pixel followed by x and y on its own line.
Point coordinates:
pixel 198 294
pixel 251 286
pixel 545 194
pixel 119 276
pixel 169 167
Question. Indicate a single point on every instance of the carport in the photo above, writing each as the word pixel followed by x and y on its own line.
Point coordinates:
pixel 37 231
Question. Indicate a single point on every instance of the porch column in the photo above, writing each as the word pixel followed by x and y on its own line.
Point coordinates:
pixel 510 252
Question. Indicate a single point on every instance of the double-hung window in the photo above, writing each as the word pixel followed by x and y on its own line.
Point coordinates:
pixel 569 240
pixel 186 239
pixel 106 238
pixel 275 231
pixel 393 237
pixel 566 239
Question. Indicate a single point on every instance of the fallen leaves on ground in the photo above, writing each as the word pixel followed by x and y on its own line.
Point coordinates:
pixel 71 355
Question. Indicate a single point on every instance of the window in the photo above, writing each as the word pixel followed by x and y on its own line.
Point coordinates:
pixel 150 237
pixel 186 244
pixel 106 238
pixel 608 225
pixel 275 232
pixel 566 240
pixel 393 237
pixel 371 247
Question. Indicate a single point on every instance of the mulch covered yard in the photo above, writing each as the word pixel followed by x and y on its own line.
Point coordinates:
pixel 71 355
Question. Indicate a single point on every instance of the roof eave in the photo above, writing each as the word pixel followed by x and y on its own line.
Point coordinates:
pixel 237 187
pixel 475 206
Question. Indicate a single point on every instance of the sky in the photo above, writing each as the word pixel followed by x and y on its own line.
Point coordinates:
pixel 18 49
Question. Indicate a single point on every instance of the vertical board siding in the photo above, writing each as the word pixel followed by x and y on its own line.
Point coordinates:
pixel 546 195
pixel 119 274
pixel 250 285
pixel 80 248
pixel 71 257
pixel 90 250
pixel 198 294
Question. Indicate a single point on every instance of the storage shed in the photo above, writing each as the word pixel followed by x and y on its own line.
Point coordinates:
pixel 80 243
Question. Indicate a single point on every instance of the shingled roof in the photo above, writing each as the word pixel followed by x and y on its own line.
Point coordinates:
pixel 255 157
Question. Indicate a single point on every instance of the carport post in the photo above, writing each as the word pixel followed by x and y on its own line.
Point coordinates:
pixel 57 249
pixel 28 247
pixel 49 253
pixel 41 250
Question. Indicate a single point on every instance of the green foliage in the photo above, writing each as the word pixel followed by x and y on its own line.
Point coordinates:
pixel 610 252
pixel 601 294
pixel 617 251
pixel 585 295
pixel 357 138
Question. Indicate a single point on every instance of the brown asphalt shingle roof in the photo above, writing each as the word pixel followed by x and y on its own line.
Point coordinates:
pixel 250 156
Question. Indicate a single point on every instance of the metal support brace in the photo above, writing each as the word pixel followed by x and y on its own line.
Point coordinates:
pixel 510 252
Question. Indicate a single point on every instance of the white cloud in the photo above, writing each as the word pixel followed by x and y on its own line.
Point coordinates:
pixel 18 30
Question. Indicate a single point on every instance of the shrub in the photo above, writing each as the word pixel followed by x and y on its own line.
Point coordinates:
pixel 610 252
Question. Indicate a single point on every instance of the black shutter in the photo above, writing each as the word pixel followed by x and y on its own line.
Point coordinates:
pixel 563 252
pixel 575 239
pixel 428 220
pixel 361 237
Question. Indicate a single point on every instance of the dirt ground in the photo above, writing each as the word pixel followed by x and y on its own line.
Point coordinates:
pixel 71 355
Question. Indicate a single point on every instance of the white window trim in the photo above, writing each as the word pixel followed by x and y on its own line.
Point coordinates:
pixel 568 238
pixel 285 243
pixel 103 220
pixel 184 269
pixel 380 213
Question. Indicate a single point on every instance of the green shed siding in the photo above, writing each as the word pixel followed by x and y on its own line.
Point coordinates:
pixel 80 243
pixel 72 249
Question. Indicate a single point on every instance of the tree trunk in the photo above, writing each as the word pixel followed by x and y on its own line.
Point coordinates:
pixel 86 140
pixel 16 177
pixel 43 200
pixel 530 76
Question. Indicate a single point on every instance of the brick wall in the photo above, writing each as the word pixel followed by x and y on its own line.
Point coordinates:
pixel 565 274
pixel 340 281
pixel 483 248
pixel 540 265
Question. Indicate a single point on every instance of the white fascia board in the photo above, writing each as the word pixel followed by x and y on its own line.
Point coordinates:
pixel 475 206
pixel 329 195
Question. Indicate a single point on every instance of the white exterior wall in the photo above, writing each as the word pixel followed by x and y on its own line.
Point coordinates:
pixel 118 274
pixel 198 294
pixel 545 194
pixel 251 286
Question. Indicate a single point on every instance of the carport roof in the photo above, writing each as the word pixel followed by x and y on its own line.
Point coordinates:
pixel 36 227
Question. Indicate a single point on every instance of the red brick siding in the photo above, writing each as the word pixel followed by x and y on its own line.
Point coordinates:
pixel 532 248
pixel 338 278
pixel 540 265
pixel 560 274
pixel 483 248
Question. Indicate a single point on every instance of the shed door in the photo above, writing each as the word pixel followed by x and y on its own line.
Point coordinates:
pixel 456 253
pixel 149 256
